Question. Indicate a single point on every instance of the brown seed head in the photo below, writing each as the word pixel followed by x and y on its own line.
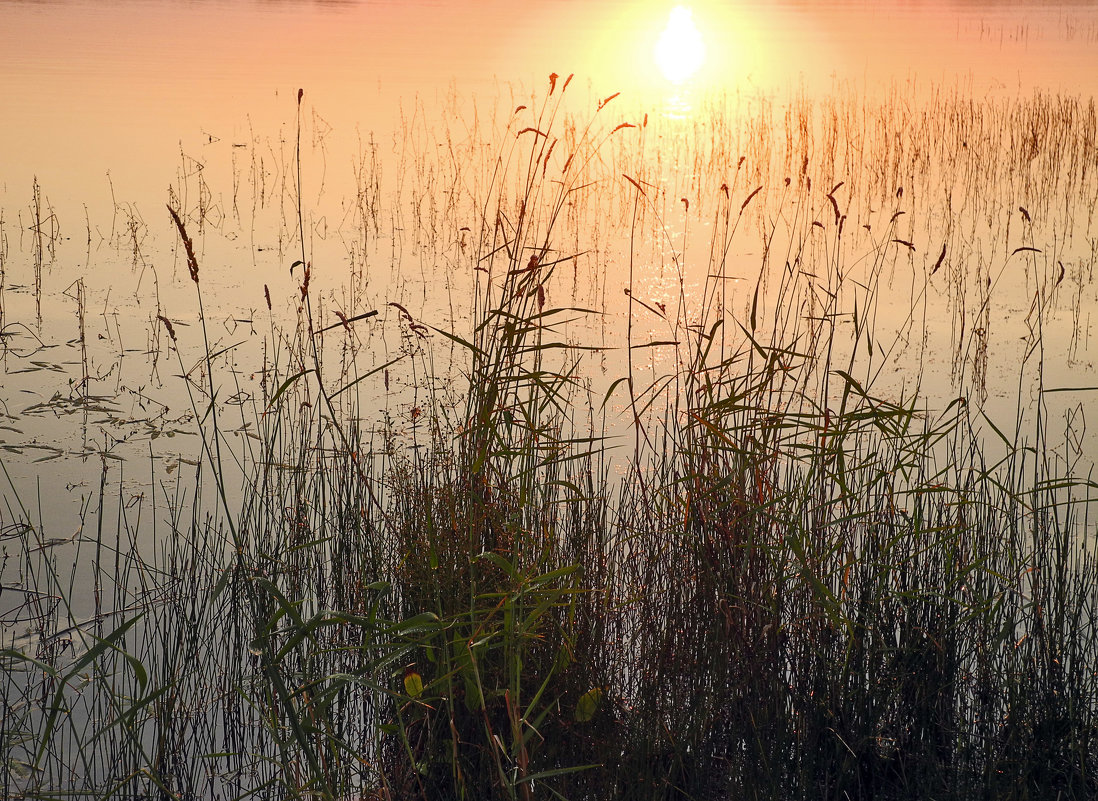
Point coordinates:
pixel 188 246
pixel 167 325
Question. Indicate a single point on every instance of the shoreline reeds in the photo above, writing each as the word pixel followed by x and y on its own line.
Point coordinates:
pixel 796 588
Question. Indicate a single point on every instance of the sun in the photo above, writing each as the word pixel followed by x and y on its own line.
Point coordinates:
pixel 680 49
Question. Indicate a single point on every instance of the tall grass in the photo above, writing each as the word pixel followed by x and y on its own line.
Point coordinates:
pixel 786 583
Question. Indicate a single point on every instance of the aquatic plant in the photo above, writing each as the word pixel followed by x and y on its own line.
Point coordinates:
pixel 797 584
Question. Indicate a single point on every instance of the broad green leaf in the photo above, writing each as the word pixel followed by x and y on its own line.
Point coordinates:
pixel 413 683
pixel 588 704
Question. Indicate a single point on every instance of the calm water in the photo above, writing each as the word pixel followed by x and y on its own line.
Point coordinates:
pixel 120 87
pixel 112 109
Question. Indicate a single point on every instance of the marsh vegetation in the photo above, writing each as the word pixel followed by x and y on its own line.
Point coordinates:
pixel 693 485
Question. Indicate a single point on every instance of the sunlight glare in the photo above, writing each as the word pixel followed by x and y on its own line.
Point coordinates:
pixel 680 49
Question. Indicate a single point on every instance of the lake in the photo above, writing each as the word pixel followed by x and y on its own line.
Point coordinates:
pixel 505 399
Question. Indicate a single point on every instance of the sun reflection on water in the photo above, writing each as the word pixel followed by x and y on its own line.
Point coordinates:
pixel 680 50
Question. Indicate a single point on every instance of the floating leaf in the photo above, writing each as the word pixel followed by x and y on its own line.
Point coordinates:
pixel 656 343
pixel 588 704
pixel 1069 389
